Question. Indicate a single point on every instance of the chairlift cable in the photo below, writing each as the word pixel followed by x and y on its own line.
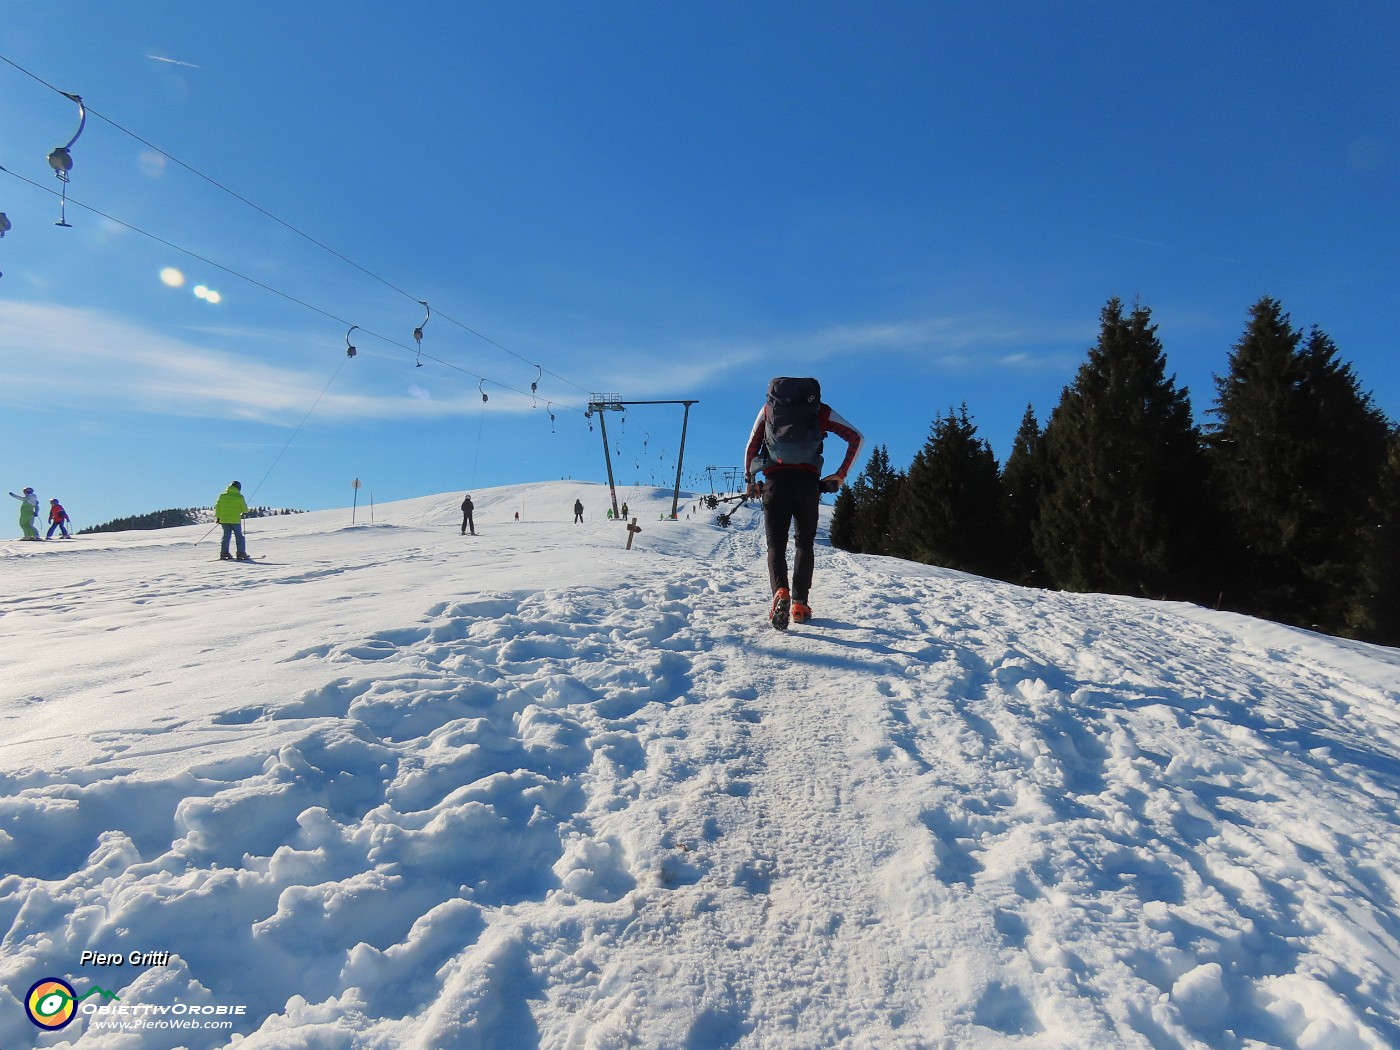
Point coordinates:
pixel 270 288
pixel 297 431
pixel 284 223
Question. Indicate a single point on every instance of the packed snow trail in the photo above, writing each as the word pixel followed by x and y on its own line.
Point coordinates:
pixel 406 788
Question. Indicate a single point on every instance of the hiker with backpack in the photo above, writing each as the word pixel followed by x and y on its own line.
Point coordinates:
pixel 786 445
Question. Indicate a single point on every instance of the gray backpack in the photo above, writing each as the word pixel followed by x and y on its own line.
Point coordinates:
pixel 792 428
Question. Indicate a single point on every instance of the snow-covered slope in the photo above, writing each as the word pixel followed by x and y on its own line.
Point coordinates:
pixel 396 787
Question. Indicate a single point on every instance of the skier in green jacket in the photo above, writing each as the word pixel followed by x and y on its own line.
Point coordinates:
pixel 228 512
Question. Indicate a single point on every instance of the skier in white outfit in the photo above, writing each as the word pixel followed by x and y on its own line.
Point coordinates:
pixel 28 511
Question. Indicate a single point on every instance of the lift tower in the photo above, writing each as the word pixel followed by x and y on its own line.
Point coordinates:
pixel 605 403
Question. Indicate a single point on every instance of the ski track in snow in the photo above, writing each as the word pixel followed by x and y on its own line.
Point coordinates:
pixel 949 813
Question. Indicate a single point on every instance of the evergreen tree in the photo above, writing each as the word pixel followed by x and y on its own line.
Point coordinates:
pixel 1124 499
pixel 843 518
pixel 861 519
pixel 1298 449
pixel 169 519
pixel 159 519
pixel 1375 613
pixel 1248 454
pixel 948 508
pixel 1021 484
pixel 875 503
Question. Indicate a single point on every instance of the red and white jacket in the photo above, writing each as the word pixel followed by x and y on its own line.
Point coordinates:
pixel 831 423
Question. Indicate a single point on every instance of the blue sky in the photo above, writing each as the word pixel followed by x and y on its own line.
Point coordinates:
pixel 923 204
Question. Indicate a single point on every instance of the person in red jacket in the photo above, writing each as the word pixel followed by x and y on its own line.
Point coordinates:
pixel 58 519
pixel 786 445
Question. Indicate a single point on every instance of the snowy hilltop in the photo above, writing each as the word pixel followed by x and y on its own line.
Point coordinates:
pixel 392 786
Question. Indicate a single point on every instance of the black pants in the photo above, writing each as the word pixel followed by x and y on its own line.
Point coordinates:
pixel 790 499
pixel 467 523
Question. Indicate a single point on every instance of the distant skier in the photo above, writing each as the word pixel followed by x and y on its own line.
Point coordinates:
pixel 228 512
pixel 786 444
pixel 578 511
pixel 28 511
pixel 58 519
pixel 467 522
pixel 624 512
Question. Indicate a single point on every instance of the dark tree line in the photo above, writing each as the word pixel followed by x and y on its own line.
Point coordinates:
pixel 169 519
pixel 1285 505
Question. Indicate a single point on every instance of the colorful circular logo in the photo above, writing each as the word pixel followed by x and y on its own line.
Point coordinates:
pixel 51 1003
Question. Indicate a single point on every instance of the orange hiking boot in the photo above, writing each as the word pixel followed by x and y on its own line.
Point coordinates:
pixel 778 612
pixel 801 611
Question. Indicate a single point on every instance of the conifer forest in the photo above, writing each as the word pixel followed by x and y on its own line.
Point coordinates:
pixel 1284 502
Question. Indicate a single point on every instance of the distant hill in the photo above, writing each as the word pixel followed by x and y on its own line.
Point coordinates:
pixel 169 519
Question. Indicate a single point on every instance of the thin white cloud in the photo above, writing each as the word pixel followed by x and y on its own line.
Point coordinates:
pixel 960 337
pixel 961 344
pixel 692 366
pixel 173 61
pixel 86 358
pixel 90 359
pixel 1172 248
pixel 953 343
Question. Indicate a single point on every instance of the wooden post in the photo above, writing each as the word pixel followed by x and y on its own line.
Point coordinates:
pixel 632 529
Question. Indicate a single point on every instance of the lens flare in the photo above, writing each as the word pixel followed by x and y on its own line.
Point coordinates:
pixel 171 277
